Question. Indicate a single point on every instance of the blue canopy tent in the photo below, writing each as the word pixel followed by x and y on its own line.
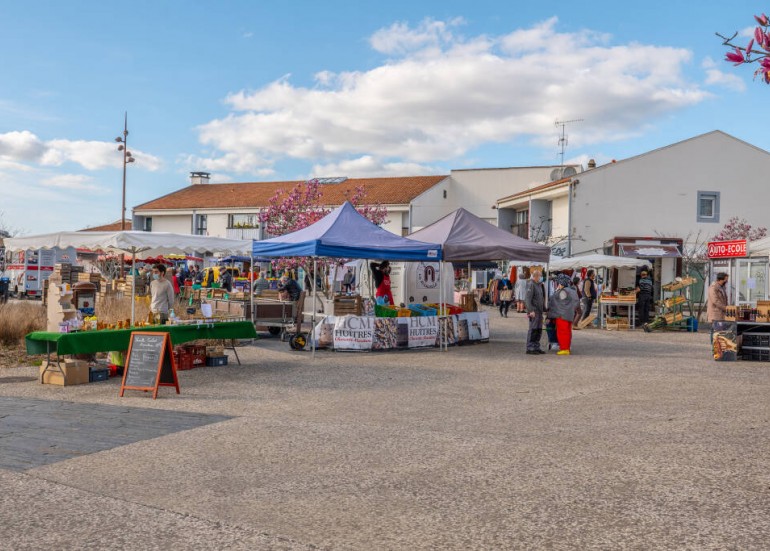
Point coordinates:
pixel 345 233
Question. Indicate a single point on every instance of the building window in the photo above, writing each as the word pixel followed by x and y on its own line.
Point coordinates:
pixel 521 225
pixel 148 223
pixel 242 221
pixel 708 206
pixel 201 224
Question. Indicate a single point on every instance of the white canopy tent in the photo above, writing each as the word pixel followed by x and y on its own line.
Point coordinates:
pixel 596 261
pixel 132 242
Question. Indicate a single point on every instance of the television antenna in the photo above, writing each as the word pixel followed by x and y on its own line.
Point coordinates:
pixel 563 141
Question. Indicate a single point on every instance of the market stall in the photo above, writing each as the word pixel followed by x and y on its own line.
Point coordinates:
pixel 344 233
pixel 464 237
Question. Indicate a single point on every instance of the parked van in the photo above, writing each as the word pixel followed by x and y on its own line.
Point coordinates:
pixel 28 270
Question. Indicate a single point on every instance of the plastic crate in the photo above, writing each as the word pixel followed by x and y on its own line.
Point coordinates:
pixel 756 339
pixel 756 355
pixel 183 360
pixel 216 361
pixel 385 311
pixel 446 309
pixel 98 374
pixel 404 313
pixel 423 310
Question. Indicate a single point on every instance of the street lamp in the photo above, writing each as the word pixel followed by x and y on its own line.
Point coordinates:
pixel 127 158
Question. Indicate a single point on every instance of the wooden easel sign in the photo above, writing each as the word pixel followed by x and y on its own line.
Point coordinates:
pixel 149 364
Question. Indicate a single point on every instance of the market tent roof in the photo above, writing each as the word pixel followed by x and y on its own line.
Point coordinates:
pixel 345 233
pixel 596 261
pixel 760 247
pixel 464 236
pixel 133 242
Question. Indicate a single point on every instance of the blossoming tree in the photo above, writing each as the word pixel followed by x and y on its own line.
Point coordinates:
pixel 756 51
pixel 302 206
pixel 738 228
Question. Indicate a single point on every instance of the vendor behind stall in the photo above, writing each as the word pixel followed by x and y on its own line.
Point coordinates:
pixel 161 293
pixel 260 284
pixel 288 289
pixel 381 275
pixel 644 290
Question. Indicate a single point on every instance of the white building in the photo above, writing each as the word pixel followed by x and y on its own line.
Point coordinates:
pixel 413 202
pixel 660 200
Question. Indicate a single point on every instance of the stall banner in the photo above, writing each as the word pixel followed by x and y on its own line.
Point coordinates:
pixel 385 334
pixel 477 324
pixel 727 249
pixel 423 330
pixel 354 332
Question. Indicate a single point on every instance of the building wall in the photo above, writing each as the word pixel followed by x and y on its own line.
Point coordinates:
pixel 656 194
pixel 559 216
pixel 477 190
pixel 173 223
pixel 431 205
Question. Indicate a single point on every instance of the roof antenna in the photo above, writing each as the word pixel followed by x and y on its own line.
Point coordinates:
pixel 563 141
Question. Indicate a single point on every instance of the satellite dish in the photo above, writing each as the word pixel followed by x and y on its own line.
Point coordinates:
pixel 562 172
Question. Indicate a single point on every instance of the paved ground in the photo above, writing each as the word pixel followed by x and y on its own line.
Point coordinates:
pixel 638 441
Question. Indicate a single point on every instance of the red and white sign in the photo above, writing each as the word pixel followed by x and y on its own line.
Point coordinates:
pixel 727 249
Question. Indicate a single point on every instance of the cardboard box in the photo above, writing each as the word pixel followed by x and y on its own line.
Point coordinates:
pixel 215 351
pixel 76 372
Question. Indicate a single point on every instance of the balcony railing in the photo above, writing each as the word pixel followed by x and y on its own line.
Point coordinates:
pixel 243 233
pixel 521 230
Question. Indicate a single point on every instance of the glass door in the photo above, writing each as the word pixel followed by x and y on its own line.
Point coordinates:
pixel 752 281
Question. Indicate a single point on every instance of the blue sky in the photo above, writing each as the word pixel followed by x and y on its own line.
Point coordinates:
pixel 254 90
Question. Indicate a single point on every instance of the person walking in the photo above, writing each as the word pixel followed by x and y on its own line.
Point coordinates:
pixel 348 281
pixel 644 291
pixel 161 294
pixel 520 290
pixel 717 299
pixel 535 302
pixel 505 293
pixel 589 293
pixel 562 308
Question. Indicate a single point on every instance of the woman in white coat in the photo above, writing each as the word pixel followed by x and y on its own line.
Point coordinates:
pixel 520 290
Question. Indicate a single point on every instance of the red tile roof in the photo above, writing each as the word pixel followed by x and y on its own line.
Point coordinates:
pixel 112 226
pixel 386 191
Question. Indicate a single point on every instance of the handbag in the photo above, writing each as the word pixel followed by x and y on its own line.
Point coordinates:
pixel 506 295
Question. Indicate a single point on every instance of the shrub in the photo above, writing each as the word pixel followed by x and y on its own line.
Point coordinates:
pixel 19 318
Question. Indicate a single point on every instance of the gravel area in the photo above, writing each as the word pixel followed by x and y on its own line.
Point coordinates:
pixel 636 441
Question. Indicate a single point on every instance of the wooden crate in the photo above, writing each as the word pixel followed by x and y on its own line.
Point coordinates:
pixel 347 306
pixel 617 324
pixel 588 322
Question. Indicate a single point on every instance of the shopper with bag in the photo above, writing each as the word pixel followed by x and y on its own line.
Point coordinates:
pixel 561 307
pixel 505 292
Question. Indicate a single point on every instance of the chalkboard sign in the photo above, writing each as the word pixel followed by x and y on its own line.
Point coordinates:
pixel 149 364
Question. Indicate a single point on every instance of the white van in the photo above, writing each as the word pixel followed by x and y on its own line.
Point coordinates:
pixel 27 270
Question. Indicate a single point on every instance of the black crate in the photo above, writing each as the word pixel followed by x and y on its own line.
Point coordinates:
pixel 756 355
pixel 98 374
pixel 216 361
pixel 756 339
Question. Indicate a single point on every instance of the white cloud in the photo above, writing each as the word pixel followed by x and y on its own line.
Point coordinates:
pixel 25 147
pixel 443 95
pixel 720 78
pixel 72 182
pixel 368 166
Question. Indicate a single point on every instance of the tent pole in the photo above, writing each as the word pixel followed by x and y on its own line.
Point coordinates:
pixel 133 286
pixel 251 283
pixel 312 317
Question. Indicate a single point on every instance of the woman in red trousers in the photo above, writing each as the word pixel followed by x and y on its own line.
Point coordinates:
pixel 562 308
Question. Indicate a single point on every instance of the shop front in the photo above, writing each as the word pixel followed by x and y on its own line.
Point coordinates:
pixel 663 254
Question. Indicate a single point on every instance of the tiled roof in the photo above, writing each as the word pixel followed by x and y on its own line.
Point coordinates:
pixel 112 226
pixel 386 191
pixel 536 189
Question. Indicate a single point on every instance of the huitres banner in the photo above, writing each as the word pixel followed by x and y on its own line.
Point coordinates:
pixel 354 333
pixel 371 333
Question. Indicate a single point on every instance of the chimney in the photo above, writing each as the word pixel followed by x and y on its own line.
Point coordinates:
pixel 199 178
pixel 591 164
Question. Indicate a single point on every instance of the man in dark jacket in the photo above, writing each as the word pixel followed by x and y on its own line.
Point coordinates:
pixel 644 291
pixel 535 302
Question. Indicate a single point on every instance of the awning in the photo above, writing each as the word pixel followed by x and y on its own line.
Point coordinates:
pixel 650 251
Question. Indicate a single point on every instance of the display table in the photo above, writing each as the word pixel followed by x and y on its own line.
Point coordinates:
pixel 607 304
pixel 373 333
pixel 90 342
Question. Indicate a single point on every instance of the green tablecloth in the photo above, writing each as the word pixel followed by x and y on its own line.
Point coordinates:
pixel 89 342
